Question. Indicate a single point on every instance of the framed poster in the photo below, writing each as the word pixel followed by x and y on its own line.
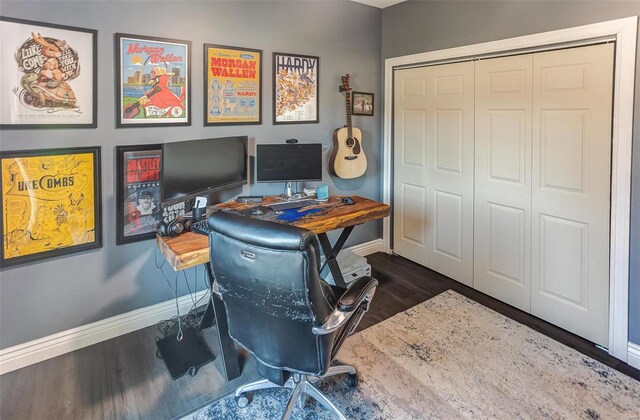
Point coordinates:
pixel 362 103
pixel 295 88
pixel 48 75
pixel 138 192
pixel 153 81
pixel 51 203
pixel 233 85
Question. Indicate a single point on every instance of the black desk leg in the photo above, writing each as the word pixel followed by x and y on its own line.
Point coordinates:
pixel 208 317
pixel 215 308
pixel 330 254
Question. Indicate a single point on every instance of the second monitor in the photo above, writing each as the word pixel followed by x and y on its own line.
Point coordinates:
pixel 289 162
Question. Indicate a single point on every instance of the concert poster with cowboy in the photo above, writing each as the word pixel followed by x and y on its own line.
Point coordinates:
pixel 154 81
pixel 140 179
pixel 49 75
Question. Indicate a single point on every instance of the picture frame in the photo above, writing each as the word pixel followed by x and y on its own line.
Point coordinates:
pixel 296 80
pixel 51 203
pixel 138 178
pixel 153 81
pixel 362 103
pixel 49 75
pixel 233 85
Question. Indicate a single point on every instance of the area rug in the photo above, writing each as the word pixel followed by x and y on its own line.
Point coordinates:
pixel 451 357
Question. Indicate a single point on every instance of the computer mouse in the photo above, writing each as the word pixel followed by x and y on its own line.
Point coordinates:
pixel 258 211
pixel 348 201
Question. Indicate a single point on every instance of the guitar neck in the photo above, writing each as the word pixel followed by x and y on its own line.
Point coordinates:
pixel 349 127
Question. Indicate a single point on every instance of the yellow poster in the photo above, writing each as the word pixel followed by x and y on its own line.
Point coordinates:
pixel 233 85
pixel 48 203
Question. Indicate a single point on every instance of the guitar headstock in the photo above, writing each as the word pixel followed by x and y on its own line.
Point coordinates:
pixel 344 87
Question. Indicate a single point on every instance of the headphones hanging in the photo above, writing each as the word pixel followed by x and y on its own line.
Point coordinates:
pixel 171 229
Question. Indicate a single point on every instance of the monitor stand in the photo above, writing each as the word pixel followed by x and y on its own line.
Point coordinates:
pixel 288 191
pixel 289 194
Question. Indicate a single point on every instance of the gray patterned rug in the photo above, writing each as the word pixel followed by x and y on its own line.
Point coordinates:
pixel 450 357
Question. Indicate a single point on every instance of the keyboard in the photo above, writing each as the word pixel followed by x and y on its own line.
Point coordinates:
pixel 295 204
pixel 202 225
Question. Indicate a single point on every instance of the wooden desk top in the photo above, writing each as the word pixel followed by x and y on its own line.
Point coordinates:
pixel 191 249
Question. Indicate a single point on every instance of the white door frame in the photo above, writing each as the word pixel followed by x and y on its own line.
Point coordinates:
pixel 624 31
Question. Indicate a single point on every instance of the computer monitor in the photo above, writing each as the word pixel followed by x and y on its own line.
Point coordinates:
pixel 289 162
pixel 199 167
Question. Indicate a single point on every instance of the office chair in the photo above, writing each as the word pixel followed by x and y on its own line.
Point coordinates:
pixel 278 307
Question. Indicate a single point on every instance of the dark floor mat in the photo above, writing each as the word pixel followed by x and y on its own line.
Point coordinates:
pixel 184 356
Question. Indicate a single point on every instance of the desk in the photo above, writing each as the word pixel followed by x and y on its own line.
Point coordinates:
pixel 191 249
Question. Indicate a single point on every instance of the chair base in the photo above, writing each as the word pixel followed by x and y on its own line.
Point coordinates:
pixel 301 385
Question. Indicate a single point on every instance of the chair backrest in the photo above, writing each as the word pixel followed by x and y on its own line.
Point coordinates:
pixel 268 275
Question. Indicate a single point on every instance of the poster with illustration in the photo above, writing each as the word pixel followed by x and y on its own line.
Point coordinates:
pixel 138 199
pixel 233 85
pixel 48 75
pixel 50 203
pixel 154 81
pixel 295 88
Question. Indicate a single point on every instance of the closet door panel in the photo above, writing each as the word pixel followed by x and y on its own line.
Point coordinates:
pixel 507 243
pixel 410 165
pixel 450 94
pixel 448 225
pixel 571 189
pixel 433 168
pixel 502 220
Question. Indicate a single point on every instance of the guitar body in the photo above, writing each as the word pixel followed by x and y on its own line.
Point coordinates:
pixel 347 158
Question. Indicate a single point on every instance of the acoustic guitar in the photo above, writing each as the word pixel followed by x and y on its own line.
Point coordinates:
pixel 347 158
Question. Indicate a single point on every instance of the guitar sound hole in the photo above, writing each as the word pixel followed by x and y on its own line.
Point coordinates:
pixel 350 142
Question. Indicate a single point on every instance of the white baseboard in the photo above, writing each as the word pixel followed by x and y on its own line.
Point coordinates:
pixel 377 245
pixel 633 358
pixel 29 353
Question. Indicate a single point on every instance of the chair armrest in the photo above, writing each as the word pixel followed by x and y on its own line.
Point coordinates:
pixel 360 291
pixel 356 293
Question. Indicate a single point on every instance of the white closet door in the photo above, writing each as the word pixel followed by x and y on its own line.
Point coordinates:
pixel 571 178
pixel 502 222
pixel 410 165
pixel 433 165
pixel 450 170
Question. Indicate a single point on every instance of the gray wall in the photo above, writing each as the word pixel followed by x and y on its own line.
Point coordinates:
pixel 420 26
pixel 54 295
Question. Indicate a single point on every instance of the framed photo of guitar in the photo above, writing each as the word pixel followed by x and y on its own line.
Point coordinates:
pixel 362 104
pixel 153 81
pixel 347 158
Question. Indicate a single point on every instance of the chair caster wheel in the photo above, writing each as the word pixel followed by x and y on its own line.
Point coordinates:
pixel 353 380
pixel 243 400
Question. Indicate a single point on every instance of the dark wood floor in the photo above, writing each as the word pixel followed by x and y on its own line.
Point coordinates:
pixel 122 378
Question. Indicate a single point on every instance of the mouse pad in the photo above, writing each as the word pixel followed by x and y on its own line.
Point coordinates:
pixel 291 215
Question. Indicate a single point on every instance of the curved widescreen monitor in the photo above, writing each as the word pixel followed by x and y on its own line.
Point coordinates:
pixel 199 167
pixel 289 162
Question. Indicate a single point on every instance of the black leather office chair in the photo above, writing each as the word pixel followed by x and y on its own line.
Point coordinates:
pixel 278 307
